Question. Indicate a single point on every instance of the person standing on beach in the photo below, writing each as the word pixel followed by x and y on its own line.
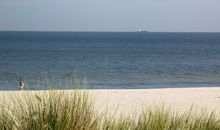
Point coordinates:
pixel 21 84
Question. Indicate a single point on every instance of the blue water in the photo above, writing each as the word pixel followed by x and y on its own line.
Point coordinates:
pixel 110 59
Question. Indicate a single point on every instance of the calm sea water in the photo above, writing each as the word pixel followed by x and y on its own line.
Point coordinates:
pixel 110 59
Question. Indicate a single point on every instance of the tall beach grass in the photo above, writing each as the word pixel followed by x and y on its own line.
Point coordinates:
pixel 49 110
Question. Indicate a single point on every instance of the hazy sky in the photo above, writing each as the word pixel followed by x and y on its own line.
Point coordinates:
pixel 110 15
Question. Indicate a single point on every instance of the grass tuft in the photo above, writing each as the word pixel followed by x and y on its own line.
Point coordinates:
pixel 52 110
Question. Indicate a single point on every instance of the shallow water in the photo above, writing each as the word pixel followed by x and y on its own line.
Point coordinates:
pixel 110 59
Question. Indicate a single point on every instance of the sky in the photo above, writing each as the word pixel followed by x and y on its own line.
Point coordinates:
pixel 110 15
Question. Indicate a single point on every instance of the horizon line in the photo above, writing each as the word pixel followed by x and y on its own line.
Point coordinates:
pixel 110 31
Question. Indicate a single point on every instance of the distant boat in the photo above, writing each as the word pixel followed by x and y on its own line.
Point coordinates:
pixel 139 30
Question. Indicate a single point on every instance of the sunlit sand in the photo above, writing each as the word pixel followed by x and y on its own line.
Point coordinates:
pixel 133 101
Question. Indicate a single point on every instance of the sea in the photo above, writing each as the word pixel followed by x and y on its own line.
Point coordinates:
pixel 109 60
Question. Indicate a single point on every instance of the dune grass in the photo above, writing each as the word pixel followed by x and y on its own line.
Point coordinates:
pixel 50 110
pixel 6 122
pixel 161 118
pixel 64 110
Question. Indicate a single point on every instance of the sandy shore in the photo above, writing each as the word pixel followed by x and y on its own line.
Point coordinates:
pixel 132 101
pixel 178 99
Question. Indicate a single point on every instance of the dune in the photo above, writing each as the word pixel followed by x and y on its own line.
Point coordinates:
pixel 133 101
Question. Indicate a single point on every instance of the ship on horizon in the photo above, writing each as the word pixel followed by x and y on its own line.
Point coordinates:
pixel 139 30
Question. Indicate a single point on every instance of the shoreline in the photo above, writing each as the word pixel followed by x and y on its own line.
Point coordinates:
pixel 110 88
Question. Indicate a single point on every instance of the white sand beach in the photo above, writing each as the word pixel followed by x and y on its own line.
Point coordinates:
pixel 132 101
pixel 178 99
